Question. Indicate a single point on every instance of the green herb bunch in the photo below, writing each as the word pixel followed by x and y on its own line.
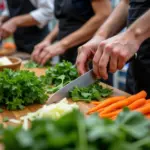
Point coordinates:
pixel 59 75
pixel 20 88
pixel 32 64
pixel 92 92
pixel 130 131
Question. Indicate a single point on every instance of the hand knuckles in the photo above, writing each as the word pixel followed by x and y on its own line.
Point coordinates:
pixel 102 44
pixel 95 61
pixel 108 48
pixel 101 66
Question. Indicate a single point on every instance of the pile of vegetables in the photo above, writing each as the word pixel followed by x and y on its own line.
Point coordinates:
pixel 111 107
pixel 32 64
pixel 130 131
pixel 53 111
pixel 92 92
pixel 20 88
pixel 58 76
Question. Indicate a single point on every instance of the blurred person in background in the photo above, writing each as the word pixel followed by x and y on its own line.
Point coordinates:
pixel 110 50
pixel 27 21
pixel 78 20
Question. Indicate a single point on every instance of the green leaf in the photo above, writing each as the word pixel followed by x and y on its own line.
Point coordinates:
pixel 5 119
pixel 1 110
pixel 92 92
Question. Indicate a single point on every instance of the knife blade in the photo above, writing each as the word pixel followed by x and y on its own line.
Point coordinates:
pixel 82 81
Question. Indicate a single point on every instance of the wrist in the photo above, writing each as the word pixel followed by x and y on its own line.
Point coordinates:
pixel 64 44
pixel 133 36
pixel 15 21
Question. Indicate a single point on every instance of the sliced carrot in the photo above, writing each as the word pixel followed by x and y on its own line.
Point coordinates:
pixel 125 102
pixel 105 103
pixel 137 96
pixel 114 117
pixel 117 105
pixel 95 102
pixel 148 116
pixel 147 101
pixel 137 104
pixel 110 115
pixel 100 110
pixel 144 110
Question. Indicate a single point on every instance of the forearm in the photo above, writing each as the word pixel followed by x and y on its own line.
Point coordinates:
pixel 52 35
pixel 25 21
pixel 140 29
pixel 116 22
pixel 87 31
pixel 3 19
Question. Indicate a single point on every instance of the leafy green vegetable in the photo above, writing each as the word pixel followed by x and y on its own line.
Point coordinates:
pixel 92 92
pixel 32 64
pixel 5 119
pixel 75 132
pixel 59 75
pixel 1 110
pixel 20 88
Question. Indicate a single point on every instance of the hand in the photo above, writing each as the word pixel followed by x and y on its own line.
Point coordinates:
pixel 49 52
pixel 8 28
pixel 3 19
pixel 38 49
pixel 113 53
pixel 86 52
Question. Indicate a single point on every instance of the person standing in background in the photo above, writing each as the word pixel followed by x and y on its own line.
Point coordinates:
pixel 77 22
pixel 27 21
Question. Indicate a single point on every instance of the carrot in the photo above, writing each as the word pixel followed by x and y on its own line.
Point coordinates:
pixel 9 45
pixel 100 110
pixel 137 104
pixel 95 102
pixel 109 115
pixel 125 102
pixel 147 101
pixel 148 116
pixel 117 105
pixel 144 110
pixel 105 103
pixel 114 117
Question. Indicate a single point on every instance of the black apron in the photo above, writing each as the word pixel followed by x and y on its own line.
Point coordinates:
pixel 138 75
pixel 72 14
pixel 25 37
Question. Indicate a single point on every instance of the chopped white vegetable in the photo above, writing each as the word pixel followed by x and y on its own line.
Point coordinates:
pixel 15 121
pixel 26 124
pixel 5 61
pixel 54 111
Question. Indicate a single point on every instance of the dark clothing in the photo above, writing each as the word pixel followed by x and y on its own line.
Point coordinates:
pixel 25 37
pixel 72 15
pixel 139 69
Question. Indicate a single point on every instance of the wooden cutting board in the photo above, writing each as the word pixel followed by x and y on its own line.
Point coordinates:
pixel 17 114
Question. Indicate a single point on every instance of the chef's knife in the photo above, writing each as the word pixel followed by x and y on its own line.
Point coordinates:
pixel 82 81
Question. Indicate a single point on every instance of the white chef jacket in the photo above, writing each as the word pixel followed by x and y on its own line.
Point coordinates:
pixel 43 14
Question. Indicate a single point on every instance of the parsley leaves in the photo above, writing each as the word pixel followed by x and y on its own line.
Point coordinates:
pixel 20 88
pixel 92 92
pixel 58 76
